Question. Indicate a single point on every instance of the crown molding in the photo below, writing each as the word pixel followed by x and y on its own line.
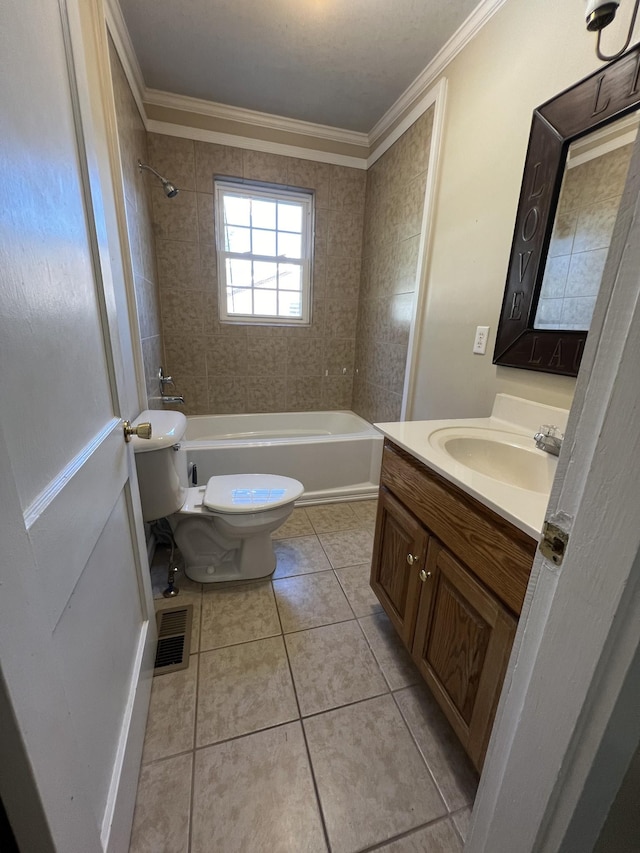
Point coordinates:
pixel 251 144
pixel 436 95
pixel 124 47
pixel 416 98
pixel 254 118
pixel 425 80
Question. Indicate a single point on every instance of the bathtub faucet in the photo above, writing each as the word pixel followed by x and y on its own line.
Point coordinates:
pixel 176 399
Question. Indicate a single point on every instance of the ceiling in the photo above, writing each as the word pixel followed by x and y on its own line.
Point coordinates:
pixel 341 63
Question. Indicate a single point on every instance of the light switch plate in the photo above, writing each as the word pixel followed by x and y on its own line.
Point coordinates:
pixel 480 343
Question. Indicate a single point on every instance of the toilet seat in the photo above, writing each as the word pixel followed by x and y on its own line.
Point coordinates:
pixel 249 493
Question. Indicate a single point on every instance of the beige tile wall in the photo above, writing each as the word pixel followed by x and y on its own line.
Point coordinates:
pixel 231 369
pixel 132 138
pixel 583 226
pixel 396 186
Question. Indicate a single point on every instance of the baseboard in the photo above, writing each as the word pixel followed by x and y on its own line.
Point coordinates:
pixel 118 815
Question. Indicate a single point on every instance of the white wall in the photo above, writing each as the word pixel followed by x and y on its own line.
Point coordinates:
pixel 526 54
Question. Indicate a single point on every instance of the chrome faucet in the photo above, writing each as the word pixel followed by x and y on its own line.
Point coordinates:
pixel 549 439
pixel 176 399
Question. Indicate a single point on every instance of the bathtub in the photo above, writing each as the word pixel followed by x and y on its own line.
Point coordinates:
pixel 335 455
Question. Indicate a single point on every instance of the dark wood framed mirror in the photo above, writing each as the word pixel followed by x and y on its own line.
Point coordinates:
pixel 525 337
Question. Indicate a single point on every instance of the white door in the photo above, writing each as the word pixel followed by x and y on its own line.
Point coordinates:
pixel 75 638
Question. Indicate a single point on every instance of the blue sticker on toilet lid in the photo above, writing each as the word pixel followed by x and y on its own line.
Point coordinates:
pixel 250 492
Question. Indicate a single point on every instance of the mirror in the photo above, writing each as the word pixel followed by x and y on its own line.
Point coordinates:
pixel 579 149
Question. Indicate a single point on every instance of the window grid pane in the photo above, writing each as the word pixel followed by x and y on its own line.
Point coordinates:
pixel 256 282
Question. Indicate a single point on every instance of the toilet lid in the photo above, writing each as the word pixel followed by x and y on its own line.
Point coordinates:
pixel 250 492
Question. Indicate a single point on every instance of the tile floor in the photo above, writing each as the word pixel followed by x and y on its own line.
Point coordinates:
pixel 301 724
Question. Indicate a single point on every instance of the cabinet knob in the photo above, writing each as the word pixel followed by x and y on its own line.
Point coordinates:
pixel 412 558
pixel 424 575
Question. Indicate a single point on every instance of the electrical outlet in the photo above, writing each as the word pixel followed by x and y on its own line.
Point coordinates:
pixel 480 343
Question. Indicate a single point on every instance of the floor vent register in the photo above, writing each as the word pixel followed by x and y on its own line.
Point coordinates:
pixel 174 639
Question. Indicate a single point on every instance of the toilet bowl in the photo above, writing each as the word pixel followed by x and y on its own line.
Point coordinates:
pixel 223 528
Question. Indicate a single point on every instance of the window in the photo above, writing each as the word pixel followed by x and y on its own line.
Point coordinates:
pixel 264 238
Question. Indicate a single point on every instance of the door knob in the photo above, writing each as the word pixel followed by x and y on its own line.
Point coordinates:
pixel 424 575
pixel 142 430
pixel 412 558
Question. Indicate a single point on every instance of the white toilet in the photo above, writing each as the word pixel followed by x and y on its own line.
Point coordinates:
pixel 223 529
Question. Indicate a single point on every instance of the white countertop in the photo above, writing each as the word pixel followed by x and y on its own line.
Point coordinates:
pixel 522 507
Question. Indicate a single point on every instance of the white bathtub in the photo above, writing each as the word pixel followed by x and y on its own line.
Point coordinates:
pixel 335 455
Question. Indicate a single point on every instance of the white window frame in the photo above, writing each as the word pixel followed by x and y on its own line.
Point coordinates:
pixel 252 189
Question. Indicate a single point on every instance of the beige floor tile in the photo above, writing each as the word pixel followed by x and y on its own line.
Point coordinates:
pixel 333 666
pixel 308 601
pixel 161 819
pixel 354 580
pixel 462 820
pixel 255 794
pixel 329 518
pixel 187 596
pixel 297 524
pixel 299 556
pixel 349 548
pixel 242 689
pixel 172 713
pixel 372 781
pixel 394 660
pixel 447 760
pixel 366 511
pixel 439 837
pixel 238 614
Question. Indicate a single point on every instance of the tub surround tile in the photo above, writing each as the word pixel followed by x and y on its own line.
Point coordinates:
pixel 441 749
pixel 393 659
pixel 256 793
pixel 299 556
pixel 195 390
pixel 371 779
pixel 182 314
pixel 161 819
pixel 329 518
pixel 238 614
pixel 347 548
pixel 266 397
pixel 304 393
pixel 337 392
pixel 308 601
pixel 242 689
pixel 297 524
pixel 354 581
pixel 212 159
pixel 309 174
pixel 259 166
pixel 333 666
pixel 175 218
pixel 171 719
pixel 206 228
pixel 304 357
pixel 439 837
pixel 174 158
pixel 227 395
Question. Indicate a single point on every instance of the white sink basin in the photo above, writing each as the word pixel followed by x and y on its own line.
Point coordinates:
pixel 504 456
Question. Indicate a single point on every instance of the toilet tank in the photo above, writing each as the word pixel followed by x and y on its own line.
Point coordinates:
pixel 161 462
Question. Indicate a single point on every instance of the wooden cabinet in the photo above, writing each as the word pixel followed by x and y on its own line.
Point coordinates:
pixel 451 575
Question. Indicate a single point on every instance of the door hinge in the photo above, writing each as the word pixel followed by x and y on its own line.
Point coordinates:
pixel 554 542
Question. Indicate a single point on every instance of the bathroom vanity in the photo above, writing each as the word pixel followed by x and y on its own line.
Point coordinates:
pixel 454 545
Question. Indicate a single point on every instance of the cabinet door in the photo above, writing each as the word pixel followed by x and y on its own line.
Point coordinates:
pixel 399 550
pixel 462 643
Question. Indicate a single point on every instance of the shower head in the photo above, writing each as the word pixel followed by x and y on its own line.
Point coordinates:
pixel 169 189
